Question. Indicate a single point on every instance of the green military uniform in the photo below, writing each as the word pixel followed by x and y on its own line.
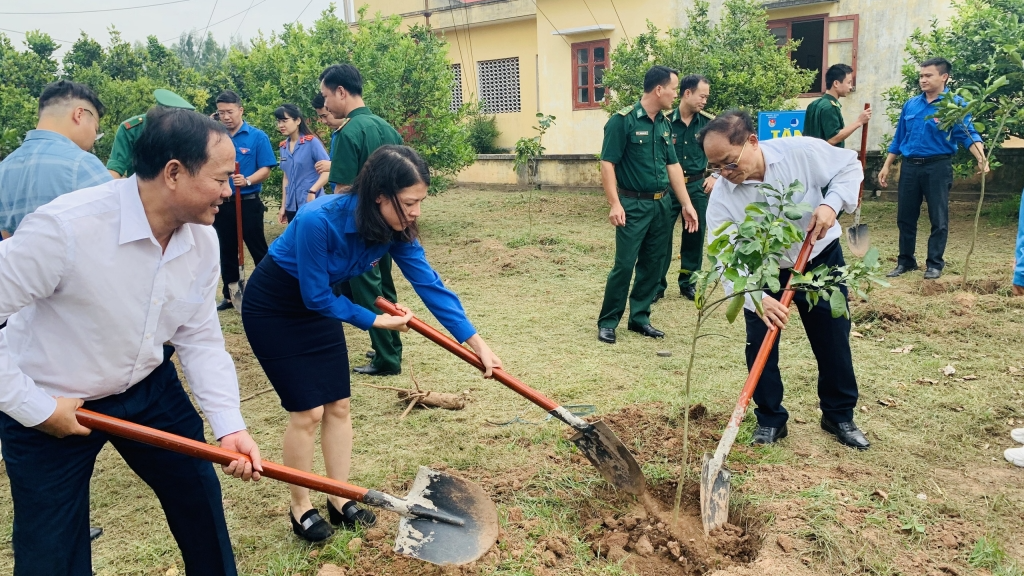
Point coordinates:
pixel 363 133
pixel 694 162
pixel 824 119
pixel 128 133
pixel 641 150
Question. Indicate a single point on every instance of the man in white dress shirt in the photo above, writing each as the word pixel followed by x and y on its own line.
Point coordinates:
pixel 734 151
pixel 92 286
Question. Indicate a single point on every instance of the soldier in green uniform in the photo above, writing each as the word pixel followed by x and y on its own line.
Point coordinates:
pixel 687 121
pixel 824 118
pixel 120 162
pixel 638 164
pixel 342 88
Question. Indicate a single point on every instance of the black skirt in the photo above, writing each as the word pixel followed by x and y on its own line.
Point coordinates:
pixel 302 352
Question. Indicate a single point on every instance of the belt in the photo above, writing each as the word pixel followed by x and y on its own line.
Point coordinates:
pixel 694 177
pixel 641 195
pixel 928 159
pixel 249 196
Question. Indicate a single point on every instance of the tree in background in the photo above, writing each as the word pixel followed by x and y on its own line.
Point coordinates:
pixel 738 55
pixel 407 80
pixel 978 30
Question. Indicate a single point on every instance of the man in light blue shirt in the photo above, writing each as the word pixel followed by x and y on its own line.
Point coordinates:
pixel 54 158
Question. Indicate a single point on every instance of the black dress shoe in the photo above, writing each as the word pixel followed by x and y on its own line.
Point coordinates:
pixel 371 370
pixel 606 335
pixel 688 292
pixel 350 515
pixel 312 527
pixel 657 297
pixel 932 274
pixel 647 330
pixel 846 432
pixel 371 354
pixel 899 270
pixel 225 304
pixel 95 532
pixel 768 435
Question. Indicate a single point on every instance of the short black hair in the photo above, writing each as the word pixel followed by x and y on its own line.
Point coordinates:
pixel 736 125
pixel 318 101
pixel 174 134
pixel 64 91
pixel 345 75
pixel 228 97
pixel 836 73
pixel 940 63
pixel 658 76
pixel 388 171
pixel 690 82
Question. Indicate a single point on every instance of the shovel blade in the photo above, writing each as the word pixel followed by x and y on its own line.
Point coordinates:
pixel 235 290
pixel 858 240
pixel 611 458
pixel 714 496
pixel 439 542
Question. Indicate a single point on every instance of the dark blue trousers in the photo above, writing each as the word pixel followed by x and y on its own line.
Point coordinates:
pixel 50 483
pixel 830 341
pixel 931 183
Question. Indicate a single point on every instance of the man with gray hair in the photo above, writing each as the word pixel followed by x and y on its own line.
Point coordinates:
pixel 54 159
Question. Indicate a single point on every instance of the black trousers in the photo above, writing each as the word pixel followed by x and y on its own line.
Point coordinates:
pixel 930 182
pixel 252 234
pixel 50 483
pixel 830 341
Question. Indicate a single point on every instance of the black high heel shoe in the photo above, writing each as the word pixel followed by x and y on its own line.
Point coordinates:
pixel 350 515
pixel 312 527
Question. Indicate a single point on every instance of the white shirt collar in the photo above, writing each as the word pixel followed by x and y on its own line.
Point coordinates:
pixel 135 225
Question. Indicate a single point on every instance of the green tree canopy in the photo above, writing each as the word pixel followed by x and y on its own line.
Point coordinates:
pixel 738 55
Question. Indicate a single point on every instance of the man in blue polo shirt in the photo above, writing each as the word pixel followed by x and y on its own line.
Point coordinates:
pixel 927 170
pixel 255 158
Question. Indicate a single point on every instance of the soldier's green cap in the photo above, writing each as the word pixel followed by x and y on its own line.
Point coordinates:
pixel 168 98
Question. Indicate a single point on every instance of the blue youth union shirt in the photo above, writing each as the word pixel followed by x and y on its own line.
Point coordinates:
pixel 322 247
pixel 299 166
pixel 918 136
pixel 45 166
pixel 252 151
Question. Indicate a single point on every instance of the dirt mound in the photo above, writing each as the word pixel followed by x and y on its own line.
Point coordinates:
pixel 884 312
pixel 954 283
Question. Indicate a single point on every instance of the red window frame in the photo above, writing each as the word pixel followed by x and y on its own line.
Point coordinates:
pixel 591 84
pixel 826 41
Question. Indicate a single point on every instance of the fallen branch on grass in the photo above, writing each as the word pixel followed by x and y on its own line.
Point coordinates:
pixel 427 398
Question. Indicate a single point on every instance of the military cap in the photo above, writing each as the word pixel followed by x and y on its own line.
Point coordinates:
pixel 170 99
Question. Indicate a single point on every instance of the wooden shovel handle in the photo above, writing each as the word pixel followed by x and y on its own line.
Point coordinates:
pixel 863 155
pixel 204 451
pixel 469 356
pixel 238 216
pixel 769 340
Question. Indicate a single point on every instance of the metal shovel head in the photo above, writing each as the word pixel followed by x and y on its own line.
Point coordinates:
pixel 714 496
pixel 858 240
pixel 235 290
pixel 439 542
pixel 611 458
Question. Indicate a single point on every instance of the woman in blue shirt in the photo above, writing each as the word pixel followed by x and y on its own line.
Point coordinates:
pixel 300 151
pixel 293 319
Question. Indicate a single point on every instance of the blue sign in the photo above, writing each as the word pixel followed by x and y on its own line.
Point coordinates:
pixel 772 125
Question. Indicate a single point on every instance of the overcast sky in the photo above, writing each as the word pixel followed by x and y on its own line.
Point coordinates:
pixel 230 17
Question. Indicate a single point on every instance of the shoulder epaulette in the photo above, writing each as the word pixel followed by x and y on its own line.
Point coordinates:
pixel 307 138
pixel 625 111
pixel 707 115
pixel 283 142
pixel 133 122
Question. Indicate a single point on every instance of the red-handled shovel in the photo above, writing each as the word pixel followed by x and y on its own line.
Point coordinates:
pixel 594 439
pixel 714 477
pixel 235 289
pixel 444 519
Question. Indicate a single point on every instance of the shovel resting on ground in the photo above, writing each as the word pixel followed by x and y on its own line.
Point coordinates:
pixel 714 477
pixel 857 237
pixel 235 289
pixel 444 519
pixel 594 439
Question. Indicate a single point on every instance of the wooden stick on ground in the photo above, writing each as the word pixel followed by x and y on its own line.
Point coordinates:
pixel 426 398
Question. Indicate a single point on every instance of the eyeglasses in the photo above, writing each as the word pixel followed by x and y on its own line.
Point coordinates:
pixel 731 165
pixel 98 133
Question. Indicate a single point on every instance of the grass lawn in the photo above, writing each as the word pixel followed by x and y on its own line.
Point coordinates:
pixel 933 495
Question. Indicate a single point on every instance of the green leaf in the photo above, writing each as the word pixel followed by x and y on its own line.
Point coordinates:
pixel 721 228
pixel 871 258
pixel 838 303
pixel 735 305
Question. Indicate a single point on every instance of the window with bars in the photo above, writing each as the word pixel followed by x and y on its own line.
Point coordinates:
pixel 825 40
pixel 498 85
pixel 589 61
pixel 456 87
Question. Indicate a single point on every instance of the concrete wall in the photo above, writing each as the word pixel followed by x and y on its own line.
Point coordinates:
pixel 553 171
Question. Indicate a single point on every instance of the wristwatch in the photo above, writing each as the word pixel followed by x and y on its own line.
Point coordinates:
pixel 247 183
